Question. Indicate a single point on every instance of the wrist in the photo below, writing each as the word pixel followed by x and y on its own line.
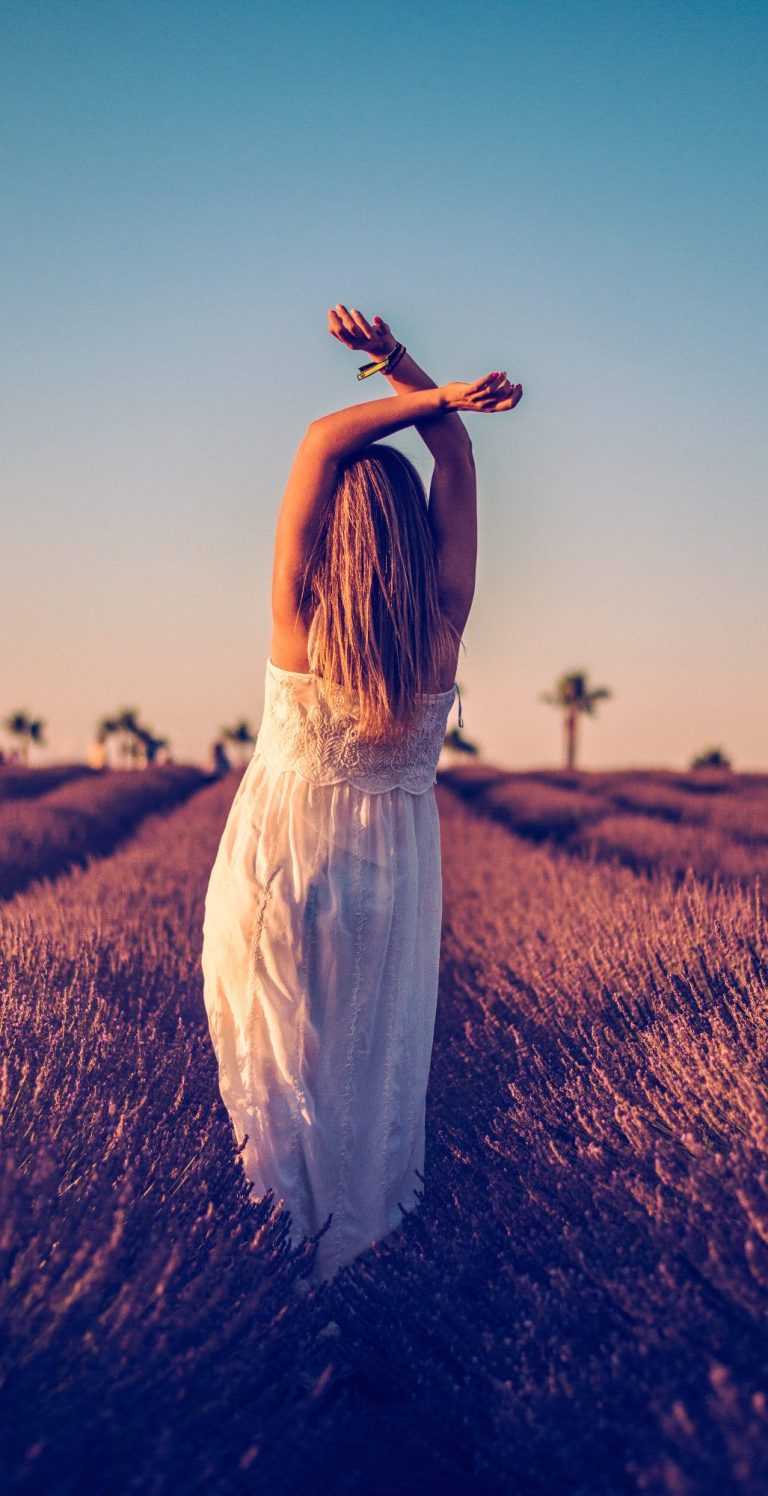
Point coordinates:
pixel 383 365
pixel 409 373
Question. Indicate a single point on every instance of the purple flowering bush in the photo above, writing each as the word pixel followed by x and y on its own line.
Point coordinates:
pixel 580 1302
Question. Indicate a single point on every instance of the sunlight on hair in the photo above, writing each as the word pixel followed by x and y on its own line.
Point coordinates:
pixel 377 628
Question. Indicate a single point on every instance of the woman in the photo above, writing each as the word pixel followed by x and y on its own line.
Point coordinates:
pixel 323 911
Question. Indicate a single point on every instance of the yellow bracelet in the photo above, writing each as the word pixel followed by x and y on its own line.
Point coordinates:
pixel 382 366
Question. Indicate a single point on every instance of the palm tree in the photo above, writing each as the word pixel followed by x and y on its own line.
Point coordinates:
pixel 27 729
pixel 150 745
pixel 242 737
pixel 136 743
pixel 455 742
pixel 125 726
pixel 573 695
pixel 711 758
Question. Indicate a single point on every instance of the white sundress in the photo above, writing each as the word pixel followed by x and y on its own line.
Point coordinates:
pixel 321 943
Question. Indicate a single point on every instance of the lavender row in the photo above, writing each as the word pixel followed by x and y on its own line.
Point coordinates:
pixel 84 818
pixel 715 824
pixel 26 784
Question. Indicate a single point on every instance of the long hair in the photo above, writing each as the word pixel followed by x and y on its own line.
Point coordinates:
pixel 377 629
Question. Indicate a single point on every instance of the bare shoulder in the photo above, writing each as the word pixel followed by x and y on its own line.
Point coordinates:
pixel 288 649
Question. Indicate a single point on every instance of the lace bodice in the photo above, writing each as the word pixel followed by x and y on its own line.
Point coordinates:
pixel 308 726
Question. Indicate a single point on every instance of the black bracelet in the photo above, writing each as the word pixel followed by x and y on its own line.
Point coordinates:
pixel 382 365
pixel 394 358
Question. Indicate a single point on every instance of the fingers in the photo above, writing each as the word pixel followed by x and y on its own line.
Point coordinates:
pixel 354 331
pixel 492 387
pixel 481 384
pixel 489 382
pixel 336 327
pixel 494 392
pixel 503 399
pixel 347 320
pixel 361 323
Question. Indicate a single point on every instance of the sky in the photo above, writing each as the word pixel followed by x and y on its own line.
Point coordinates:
pixel 572 190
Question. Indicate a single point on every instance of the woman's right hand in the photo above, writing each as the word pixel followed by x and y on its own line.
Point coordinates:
pixel 493 392
pixel 352 330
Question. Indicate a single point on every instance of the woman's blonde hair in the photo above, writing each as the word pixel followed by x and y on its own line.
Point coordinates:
pixel 377 629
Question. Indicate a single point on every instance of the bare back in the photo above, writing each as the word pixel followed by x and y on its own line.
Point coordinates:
pixel 289 650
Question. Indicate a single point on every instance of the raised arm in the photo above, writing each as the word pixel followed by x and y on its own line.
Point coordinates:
pixel 313 477
pixel 453 489
pixel 326 444
pixel 447 437
pixel 452 508
pixel 312 480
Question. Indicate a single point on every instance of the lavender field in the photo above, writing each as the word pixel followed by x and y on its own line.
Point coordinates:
pixel 581 1302
pixel 50 820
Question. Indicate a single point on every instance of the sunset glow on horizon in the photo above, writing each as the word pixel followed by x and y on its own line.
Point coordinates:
pixel 574 194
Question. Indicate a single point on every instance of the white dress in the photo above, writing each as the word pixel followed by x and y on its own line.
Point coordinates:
pixel 321 943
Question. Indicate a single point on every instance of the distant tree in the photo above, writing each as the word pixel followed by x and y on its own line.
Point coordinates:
pixel 456 742
pixel 573 696
pixel 27 729
pixel 219 761
pixel 242 737
pixel 711 758
pixel 124 726
pixel 150 745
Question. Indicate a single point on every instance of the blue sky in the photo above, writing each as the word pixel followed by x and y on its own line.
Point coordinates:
pixel 575 192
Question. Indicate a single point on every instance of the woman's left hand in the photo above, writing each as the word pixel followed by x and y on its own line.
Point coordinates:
pixel 493 392
pixel 352 329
